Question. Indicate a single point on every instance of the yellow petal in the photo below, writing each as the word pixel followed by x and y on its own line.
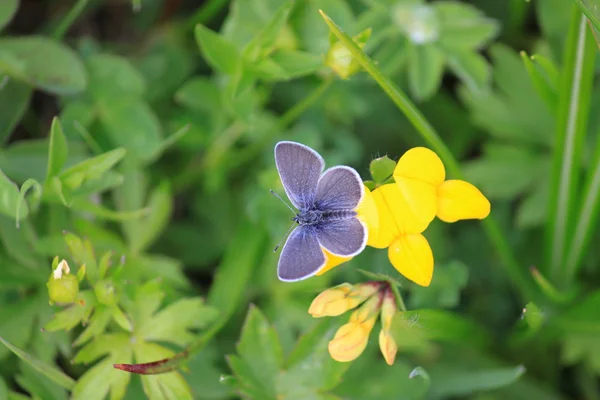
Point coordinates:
pixel 388 346
pixel 420 164
pixel 331 261
pixel 412 257
pixel 350 340
pixel 367 213
pixel 461 200
pixel 339 299
pixel 403 208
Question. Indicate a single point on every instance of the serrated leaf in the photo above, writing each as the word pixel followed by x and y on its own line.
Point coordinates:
pixel 472 68
pixel 57 155
pixel 49 65
pixel 74 314
pixel 56 375
pixel 102 379
pixel 260 350
pixel 174 323
pixel 97 325
pixel 220 53
pixel 425 69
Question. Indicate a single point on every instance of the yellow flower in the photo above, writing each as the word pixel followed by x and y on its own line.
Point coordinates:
pixel 351 339
pixel 407 207
pixel 387 344
pixel 339 299
pixel 396 214
pixel 367 213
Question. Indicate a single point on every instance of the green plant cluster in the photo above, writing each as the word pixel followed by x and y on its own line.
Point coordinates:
pixel 136 144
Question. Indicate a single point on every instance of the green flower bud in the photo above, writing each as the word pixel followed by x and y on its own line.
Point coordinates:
pixel 62 286
pixel 339 58
pixel 105 292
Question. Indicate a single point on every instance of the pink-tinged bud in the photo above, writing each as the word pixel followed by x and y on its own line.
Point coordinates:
pixel 339 299
pixel 351 339
pixel 387 344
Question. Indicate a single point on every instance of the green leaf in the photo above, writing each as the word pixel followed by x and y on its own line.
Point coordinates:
pixel 130 123
pixel 463 26
pixel 309 367
pixel 96 326
pixel 49 65
pixel 102 378
pixel 73 315
pixel 19 244
pixel 265 39
pixel 313 35
pixel 9 195
pixel 160 205
pixel 261 356
pixel 113 76
pixel 472 68
pixel 38 385
pixel 221 54
pixel 296 64
pixel 56 375
pixel 173 323
pixel 16 322
pixel 454 382
pixel 8 9
pixel 14 100
pixel 90 169
pixel 545 87
pixel 58 151
pixel 425 70
pixel 104 213
pixel 382 169
pixel 200 94
pixel 575 92
pixel 445 287
pixel 591 9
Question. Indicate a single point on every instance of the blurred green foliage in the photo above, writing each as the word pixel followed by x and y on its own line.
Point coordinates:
pixel 137 144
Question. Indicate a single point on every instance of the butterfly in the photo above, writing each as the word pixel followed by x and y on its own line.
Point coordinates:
pixel 326 216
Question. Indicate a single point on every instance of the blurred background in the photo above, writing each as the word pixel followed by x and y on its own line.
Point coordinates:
pixel 197 93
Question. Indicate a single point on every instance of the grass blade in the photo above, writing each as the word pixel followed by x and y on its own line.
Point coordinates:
pixel 571 125
pixel 517 274
pixel 50 372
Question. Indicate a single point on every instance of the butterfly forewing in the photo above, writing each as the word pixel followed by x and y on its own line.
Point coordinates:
pixel 299 168
pixel 339 188
pixel 301 256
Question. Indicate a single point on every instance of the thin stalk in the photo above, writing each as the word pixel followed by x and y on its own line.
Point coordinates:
pixel 69 19
pixel 586 220
pixel 284 121
pixel 517 274
pixel 571 125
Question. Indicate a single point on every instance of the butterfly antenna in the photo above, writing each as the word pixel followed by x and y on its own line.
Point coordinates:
pixel 282 200
pixel 285 237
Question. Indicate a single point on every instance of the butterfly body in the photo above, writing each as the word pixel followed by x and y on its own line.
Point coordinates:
pixel 327 218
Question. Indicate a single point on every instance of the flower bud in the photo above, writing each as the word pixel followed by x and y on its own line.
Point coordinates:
pixel 351 339
pixel 62 286
pixel 105 292
pixel 339 299
pixel 340 59
pixel 387 344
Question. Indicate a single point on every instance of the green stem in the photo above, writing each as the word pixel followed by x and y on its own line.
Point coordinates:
pixel 69 19
pixel 571 125
pixel 593 17
pixel 284 121
pixel 518 275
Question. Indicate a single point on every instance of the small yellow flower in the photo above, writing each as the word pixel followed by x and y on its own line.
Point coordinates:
pixel 339 299
pixel 351 339
pixel 387 344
